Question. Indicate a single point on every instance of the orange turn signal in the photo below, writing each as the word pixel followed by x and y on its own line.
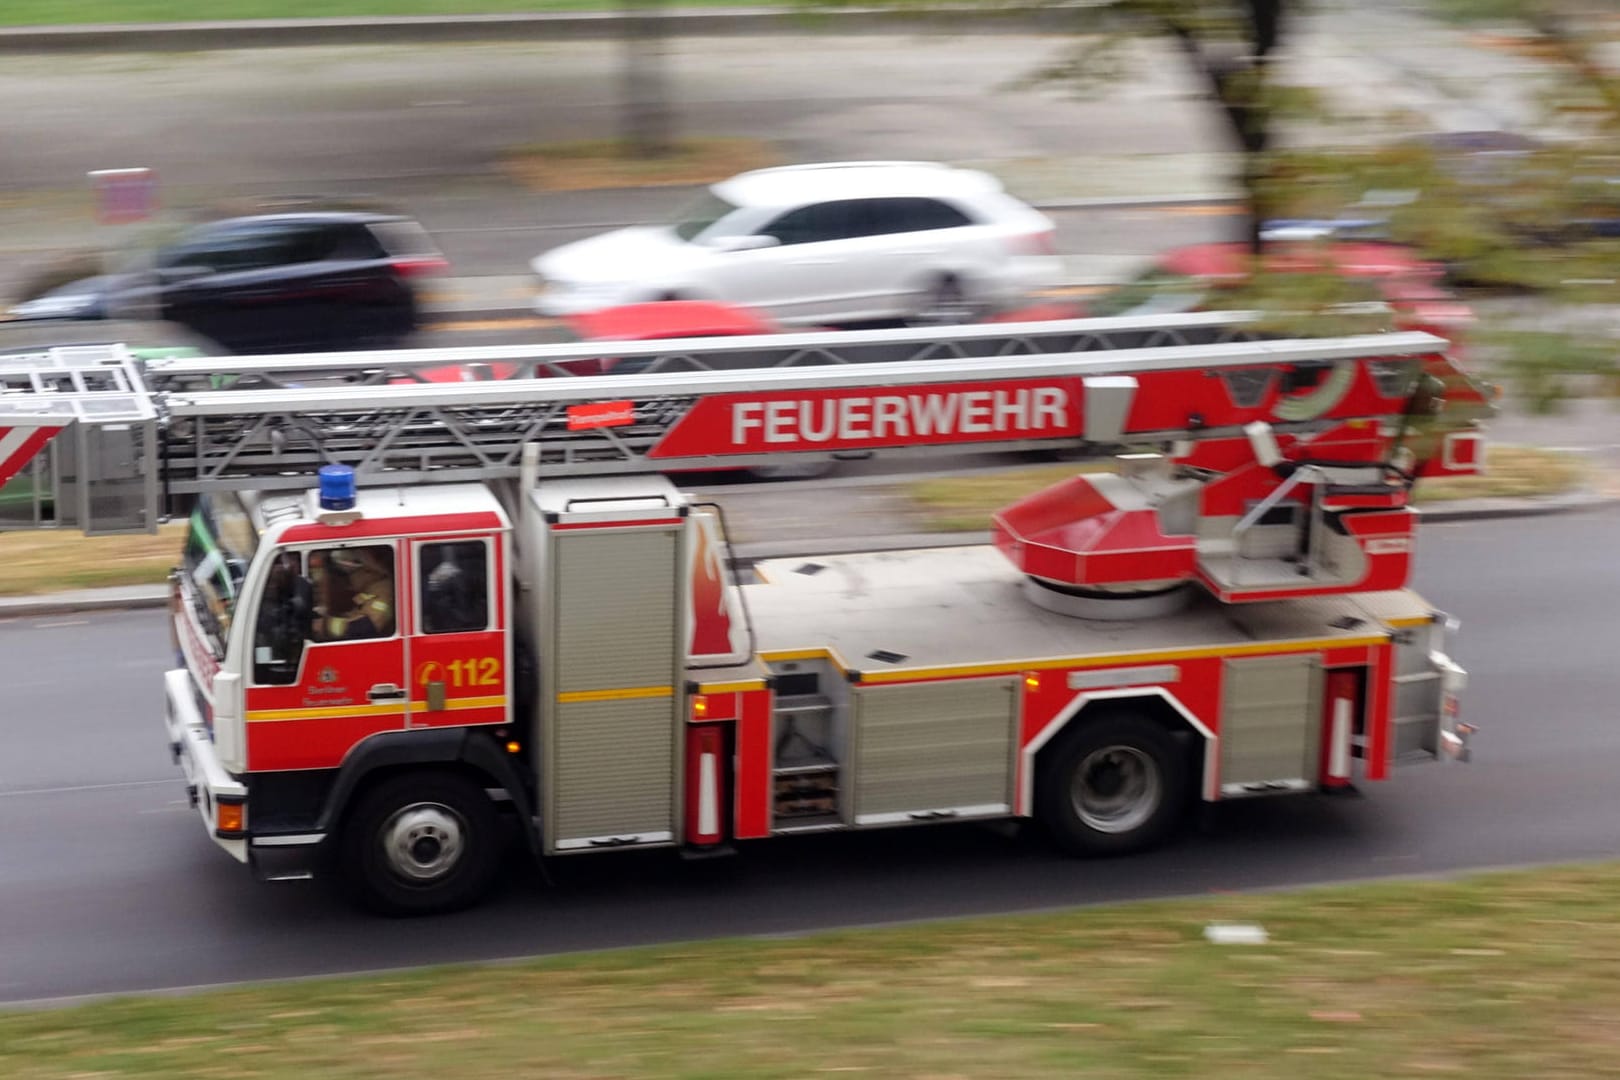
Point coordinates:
pixel 1032 681
pixel 513 747
pixel 230 817
pixel 700 706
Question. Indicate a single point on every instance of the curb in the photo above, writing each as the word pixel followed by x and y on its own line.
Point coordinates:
pixel 561 26
pixel 157 596
pixel 84 600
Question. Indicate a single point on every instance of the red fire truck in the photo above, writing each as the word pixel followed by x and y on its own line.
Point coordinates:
pixel 497 604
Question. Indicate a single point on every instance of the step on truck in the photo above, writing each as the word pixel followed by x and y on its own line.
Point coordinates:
pixel 410 611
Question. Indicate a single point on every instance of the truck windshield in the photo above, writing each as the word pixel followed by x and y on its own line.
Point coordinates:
pixel 220 543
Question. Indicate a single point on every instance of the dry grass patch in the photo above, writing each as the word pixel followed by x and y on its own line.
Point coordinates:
pixel 1510 472
pixel 965 503
pixel 53 560
pixel 606 163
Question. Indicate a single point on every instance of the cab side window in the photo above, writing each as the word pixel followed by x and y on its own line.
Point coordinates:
pixel 353 590
pixel 453 584
pixel 285 621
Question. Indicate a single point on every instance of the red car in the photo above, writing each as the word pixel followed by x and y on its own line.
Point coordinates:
pixel 1192 279
pixel 629 322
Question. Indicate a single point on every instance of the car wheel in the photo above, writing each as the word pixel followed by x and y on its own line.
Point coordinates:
pixel 420 843
pixel 946 303
pixel 804 470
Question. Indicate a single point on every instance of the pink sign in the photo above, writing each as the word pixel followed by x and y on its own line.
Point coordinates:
pixel 124 195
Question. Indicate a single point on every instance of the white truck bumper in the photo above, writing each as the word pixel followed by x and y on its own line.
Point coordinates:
pixel 207 782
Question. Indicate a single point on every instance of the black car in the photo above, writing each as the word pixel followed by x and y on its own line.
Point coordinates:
pixel 270 282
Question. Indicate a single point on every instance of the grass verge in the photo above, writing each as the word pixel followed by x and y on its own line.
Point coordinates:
pixel 51 560
pixel 603 163
pixel 964 504
pixel 1499 976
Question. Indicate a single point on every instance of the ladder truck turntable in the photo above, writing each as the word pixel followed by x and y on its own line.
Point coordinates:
pixel 498 603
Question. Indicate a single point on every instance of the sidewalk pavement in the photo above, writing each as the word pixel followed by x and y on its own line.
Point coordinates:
pixel 876 527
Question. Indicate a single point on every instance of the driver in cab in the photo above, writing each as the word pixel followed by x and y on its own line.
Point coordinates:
pixel 355 587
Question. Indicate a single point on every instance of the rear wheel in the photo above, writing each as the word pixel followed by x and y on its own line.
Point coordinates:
pixel 420 843
pixel 944 304
pixel 1115 785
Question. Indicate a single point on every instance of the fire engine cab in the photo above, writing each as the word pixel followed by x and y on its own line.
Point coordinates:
pixel 407 609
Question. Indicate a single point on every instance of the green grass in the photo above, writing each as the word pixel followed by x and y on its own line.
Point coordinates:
pixel 1549 368
pixel 965 503
pixel 70 12
pixel 1498 977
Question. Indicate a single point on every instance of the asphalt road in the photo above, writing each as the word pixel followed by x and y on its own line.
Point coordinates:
pixel 109 884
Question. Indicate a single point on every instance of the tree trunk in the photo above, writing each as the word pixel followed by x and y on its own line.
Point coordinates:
pixel 1238 83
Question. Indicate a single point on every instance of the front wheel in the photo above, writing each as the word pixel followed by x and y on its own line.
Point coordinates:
pixel 1115 785
pixel 420 843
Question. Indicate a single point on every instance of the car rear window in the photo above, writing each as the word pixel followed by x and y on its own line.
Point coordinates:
pixel 252 247
pixel 403 239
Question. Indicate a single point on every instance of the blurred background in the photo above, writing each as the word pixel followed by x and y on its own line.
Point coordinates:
pixel 1473 141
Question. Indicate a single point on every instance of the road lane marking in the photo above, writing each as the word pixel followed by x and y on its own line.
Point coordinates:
pixel 87 787
pixel 175 805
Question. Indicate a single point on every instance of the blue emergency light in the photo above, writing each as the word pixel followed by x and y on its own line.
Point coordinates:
pixel 337 487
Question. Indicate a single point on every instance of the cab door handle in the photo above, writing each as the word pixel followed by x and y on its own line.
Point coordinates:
pixel 386 691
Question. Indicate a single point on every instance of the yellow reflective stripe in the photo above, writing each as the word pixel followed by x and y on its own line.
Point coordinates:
pixel 256 715
pixel 731 687
pixel 498 701
pixel 575 696
pixel 1409 621
pixel 800 654
pixel 451 704
pixel 1279 648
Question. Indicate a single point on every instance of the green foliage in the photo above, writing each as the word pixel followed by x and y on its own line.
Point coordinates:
pixel 1507 221
pixel 1546 368
pixel 1295 303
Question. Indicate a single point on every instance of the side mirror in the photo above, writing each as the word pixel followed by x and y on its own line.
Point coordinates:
pixel 752 242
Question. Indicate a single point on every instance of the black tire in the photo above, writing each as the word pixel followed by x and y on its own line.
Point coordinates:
pixel 1114 785
pixel 945 303
pixel 419 843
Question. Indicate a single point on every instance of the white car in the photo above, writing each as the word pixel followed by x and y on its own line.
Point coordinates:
pixel 837 242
